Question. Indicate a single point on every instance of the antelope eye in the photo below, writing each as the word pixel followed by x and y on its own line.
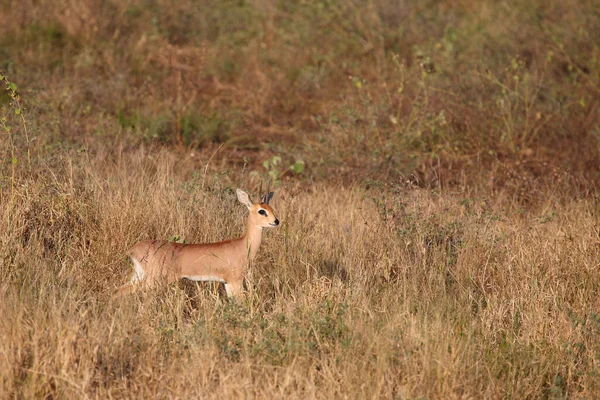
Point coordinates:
pixel 262 212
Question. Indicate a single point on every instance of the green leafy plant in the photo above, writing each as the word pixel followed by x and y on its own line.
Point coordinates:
pixel 276 170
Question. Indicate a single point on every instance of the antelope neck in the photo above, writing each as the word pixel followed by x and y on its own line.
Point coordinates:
pixel 253 238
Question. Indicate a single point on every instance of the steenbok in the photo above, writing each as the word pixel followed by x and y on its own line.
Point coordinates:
pixel 162 261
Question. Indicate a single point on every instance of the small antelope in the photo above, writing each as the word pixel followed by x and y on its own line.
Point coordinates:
pixel 226 261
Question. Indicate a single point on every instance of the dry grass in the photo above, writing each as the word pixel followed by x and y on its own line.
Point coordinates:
pixel 361 293
pixel 442 241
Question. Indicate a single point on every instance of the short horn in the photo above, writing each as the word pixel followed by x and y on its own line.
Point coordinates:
pixel 268 194
pixel 260 195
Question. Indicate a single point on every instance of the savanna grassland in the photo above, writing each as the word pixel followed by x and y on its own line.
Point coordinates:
pixel 435 164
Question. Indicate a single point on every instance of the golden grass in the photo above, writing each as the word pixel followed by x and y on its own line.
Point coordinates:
pixel 397 293
pixel 442 241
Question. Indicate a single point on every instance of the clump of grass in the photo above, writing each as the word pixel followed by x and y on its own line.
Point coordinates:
pixel 189 129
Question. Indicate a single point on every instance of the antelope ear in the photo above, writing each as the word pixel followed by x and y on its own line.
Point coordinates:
pixel 243 198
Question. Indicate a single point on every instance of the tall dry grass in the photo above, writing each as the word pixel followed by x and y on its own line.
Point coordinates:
pixel 441 242
pixel 397 292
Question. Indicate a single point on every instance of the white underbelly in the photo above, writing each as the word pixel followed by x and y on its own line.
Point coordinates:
pixel 204 278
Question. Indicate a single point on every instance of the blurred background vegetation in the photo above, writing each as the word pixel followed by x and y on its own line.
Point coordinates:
pixel 489 95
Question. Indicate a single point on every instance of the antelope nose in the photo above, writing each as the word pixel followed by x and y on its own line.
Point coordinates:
pixel 276 221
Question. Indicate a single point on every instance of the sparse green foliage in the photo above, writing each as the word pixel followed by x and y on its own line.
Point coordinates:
pixel 176 239
pixel 272 167
pixel 276 170
pixel 297 167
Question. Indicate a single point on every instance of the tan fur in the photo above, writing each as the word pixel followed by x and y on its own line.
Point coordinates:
pixel 226 261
